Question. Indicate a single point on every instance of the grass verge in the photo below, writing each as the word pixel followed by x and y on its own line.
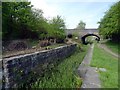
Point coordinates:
pixel 113 46
pixel 102 59
pixel 64 75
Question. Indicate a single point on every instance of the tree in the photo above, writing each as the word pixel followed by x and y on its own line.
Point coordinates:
pixel 81 25
pixel 21 21
pixel 109 26
pixel 15 17
pixel 58 23
pixel 58 26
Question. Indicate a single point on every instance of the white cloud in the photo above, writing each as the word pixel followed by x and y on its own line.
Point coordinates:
pixel 49 11
pixel 51 8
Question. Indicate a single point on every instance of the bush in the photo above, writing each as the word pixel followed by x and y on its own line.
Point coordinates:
pixel 44 43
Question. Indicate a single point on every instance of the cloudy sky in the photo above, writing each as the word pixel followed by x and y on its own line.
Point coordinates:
pixel 72 11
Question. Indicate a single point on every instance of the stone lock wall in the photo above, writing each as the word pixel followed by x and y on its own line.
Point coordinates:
pixel 24 68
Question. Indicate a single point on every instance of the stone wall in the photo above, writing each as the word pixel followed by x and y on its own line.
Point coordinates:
pixel 24 69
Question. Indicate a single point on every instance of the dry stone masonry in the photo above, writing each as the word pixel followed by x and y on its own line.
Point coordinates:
pixel 23 69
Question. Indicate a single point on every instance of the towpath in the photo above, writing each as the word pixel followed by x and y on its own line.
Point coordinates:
pixel 89 74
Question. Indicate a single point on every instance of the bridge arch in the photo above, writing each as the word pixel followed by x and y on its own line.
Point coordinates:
pixel 83 38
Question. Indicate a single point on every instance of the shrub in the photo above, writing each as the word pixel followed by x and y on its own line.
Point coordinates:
pixel 44 43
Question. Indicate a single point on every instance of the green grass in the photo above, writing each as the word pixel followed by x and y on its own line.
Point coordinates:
pixel 113 46
pixel 64 75
pixel 102 59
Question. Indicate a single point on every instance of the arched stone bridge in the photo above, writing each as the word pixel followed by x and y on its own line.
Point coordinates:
pixel 84 33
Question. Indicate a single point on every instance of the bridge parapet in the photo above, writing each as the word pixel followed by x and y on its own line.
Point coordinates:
pixel 82 32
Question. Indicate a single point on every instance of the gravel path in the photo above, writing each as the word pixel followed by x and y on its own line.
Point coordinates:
pixel 103 46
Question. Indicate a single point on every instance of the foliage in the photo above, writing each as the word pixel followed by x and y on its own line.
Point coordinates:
pixel 14 17
pixel 109 26
pixel 58 25
pixel 81 25
pixel 19 17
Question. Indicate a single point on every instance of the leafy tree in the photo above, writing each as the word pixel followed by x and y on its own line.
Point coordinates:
pixel 21 21
pixel 39 23
pixel 109 26
pixel 58 23
pixel 81 25
pixel 15 18
pixel 58 26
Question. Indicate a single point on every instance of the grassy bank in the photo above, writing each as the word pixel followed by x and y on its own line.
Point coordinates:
pixel 102 59
pixel 113 46
pixel 64 75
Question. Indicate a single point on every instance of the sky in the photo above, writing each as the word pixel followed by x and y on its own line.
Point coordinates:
pixel 72 11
